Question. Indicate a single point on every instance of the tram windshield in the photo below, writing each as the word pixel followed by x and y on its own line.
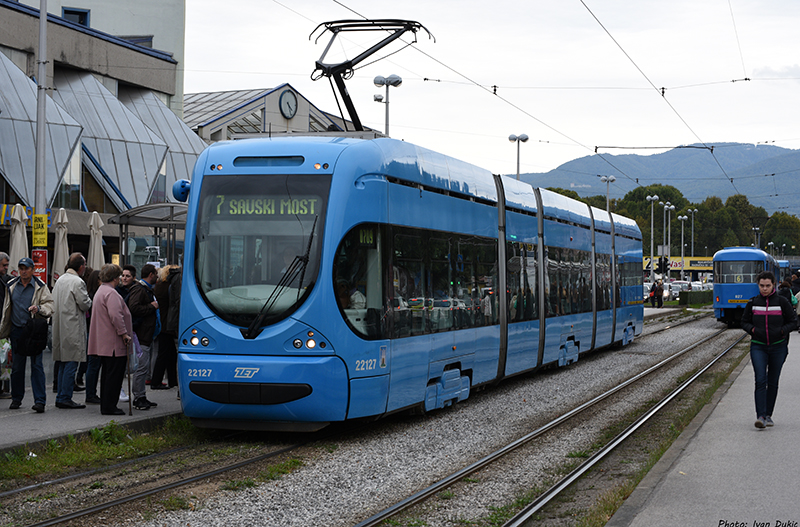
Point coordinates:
pixel 737 272
pixel 258 244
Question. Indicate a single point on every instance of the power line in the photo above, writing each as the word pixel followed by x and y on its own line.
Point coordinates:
pixel 736 33
pixel 661 92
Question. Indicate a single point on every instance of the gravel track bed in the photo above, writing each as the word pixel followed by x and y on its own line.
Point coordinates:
pixel 388 460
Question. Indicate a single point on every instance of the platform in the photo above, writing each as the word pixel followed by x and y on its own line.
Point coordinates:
pixel 26 426
pixel 722 470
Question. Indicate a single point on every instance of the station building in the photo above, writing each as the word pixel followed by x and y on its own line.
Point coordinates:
pixel 120 130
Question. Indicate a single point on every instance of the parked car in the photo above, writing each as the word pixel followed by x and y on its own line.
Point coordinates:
pixel 680 285
pixel 647 286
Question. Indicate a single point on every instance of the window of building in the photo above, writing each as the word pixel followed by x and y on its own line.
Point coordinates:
pixel 93 195
pixel 69 192
pixel 76 15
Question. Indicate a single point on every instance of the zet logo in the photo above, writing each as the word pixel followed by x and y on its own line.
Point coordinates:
pixel 245 373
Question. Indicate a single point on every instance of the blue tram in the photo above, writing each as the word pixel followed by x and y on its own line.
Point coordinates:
pixel 785 268
pixel 328 279
pixel 735 271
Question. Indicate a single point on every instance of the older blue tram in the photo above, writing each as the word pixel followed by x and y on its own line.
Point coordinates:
pixel 328 279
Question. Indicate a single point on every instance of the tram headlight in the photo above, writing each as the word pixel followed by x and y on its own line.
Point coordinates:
pixel 297 343
pixel 195 341
pixel 204 341
pixel 311 344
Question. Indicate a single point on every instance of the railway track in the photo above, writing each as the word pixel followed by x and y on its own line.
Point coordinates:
pixel 123 478
pixel 524 516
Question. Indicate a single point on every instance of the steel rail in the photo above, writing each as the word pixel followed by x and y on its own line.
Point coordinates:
pixel 162 488
pixel 444 483
pixel 525 514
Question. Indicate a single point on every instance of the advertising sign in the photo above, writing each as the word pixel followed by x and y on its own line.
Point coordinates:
pixel 39 257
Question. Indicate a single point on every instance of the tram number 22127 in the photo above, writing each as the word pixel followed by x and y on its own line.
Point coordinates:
pixel 365 365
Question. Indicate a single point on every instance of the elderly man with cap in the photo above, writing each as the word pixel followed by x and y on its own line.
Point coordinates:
pixel 27 296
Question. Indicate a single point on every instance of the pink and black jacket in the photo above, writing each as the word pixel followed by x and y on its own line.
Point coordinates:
pixel 769 319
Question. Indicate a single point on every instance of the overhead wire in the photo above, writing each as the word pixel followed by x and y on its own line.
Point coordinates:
pixel 660 92
pixel 494 92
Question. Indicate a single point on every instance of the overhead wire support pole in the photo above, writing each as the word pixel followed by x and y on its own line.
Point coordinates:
pixel 39 220
pixel 342 70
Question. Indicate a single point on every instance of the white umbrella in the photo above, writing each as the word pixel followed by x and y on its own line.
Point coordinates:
pixel 19 239
pixel 95 259
pixel 61 250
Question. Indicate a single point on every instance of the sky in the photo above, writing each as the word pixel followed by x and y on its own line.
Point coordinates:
pixel 576 76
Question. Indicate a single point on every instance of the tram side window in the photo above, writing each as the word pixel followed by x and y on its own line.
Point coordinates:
pixel 522 282
pixel 357 280
pixel 603 270
pixel 440 281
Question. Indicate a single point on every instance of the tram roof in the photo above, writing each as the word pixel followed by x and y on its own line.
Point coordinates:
pixel 740 253
pixel 415 164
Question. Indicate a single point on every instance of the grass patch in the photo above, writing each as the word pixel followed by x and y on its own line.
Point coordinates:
pixel 176 503
pixel 102 446
pixel 281 469
pixel 239 484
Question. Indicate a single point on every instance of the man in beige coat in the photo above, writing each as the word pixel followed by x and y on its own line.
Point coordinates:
pixel 69 327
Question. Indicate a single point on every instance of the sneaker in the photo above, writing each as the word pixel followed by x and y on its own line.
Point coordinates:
pixel 123 397
pixel 768 421
pixel 141 404
pixel 5 395
pixel 761 423
pixel 38 407
pixel 15 405
pixel 151 403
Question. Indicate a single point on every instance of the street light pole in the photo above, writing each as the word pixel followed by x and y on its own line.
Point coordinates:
pixel 669 238
pixel 608 180
pixel 518 139
pixel 391 80
pixel 652 200
pixel 683 220
pixel 692 211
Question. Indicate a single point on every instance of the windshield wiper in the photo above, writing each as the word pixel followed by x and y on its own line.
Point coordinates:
pixel 297 267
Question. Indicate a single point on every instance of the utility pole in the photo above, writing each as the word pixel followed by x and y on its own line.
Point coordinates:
pixel 40 203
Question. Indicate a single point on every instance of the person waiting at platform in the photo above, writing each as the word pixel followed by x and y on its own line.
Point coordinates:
pixel 26 297
pixel 147 325
pixel 769 330
pixel 69 327
pixel 110 336
pixel 5 384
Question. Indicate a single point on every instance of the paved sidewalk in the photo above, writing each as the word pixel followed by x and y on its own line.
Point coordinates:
pixel 18 427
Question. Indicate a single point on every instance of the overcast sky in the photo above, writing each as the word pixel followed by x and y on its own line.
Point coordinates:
pixel 571 75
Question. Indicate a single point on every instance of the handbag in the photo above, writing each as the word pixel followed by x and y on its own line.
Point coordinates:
pixel 33 339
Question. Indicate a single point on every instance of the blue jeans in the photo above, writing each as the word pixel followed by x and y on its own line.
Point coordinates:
pixel 66 381
pixel 140 375
pixel 18 373
pixel 767 363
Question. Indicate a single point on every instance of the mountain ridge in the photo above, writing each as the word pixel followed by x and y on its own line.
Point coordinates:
pixel 766 174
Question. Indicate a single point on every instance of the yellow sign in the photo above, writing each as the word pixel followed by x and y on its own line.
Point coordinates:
pixel 40 230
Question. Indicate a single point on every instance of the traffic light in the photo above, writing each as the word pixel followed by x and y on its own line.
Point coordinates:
pixel 662 265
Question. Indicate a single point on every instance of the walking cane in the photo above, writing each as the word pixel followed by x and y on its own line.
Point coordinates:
pixel 130 394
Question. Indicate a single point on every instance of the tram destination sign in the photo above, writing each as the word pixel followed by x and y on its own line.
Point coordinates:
pixel 242 207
